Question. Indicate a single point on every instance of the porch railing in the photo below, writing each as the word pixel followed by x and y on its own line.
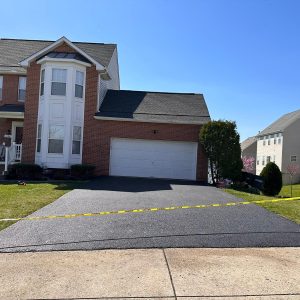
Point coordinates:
pixel 10 155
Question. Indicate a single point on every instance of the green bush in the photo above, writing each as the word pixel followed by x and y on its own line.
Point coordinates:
pixel 82 171
pixel 24 171
pixel 272 179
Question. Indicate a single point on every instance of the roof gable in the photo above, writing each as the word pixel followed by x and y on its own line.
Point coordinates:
pixel 53 46
pixel 282 123
pixel 13 51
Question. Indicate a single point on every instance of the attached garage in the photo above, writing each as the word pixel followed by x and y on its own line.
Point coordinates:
pixel 153 158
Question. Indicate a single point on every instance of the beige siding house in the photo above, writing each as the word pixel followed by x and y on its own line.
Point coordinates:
pixel 280 143
pixel 249 149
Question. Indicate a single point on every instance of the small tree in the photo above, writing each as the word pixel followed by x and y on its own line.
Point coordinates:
pixel 248 163
pixel 272 179
pixel 221 143
pixel 292 169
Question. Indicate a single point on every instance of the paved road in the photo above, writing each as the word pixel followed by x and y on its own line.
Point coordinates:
pixel 237 226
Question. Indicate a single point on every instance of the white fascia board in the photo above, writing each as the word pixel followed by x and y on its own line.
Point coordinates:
pixel 11 115
pixel 145 121
pixel 27 61
pixel 63 60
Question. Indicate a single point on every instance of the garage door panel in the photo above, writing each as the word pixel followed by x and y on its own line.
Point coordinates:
pixel 159 159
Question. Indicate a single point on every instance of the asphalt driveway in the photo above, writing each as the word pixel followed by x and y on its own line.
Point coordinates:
pixel 234 226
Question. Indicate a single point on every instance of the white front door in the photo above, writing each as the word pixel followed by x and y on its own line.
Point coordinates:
pixel 157 159
pixel 17 132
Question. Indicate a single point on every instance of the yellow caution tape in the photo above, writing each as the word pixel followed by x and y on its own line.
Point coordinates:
pixel 152 209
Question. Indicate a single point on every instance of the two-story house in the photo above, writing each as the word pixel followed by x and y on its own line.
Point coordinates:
pixel 280 143
pixel 61 104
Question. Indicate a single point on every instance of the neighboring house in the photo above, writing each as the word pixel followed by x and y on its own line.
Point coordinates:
pixel 249 148
pixel 61 104
pixel 280 143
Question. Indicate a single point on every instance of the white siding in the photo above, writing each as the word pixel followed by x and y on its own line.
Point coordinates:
pixel 291 147
pixel 269 150
pixel 67 111
pixel 114 82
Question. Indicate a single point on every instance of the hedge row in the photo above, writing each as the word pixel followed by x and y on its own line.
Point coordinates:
pixel 24 171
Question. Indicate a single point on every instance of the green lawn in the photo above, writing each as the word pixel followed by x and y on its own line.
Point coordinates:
pixel 19 201
pixel 287 209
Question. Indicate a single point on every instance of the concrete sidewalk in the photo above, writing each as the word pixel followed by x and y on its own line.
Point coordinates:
pixel 249 273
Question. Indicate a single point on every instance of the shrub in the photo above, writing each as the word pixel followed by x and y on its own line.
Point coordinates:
pixel 272 179
pixel 82 171
pixel 24 171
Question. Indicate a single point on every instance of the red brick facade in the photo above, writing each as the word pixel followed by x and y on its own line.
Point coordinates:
pixel 98 133
pixel 10 90
pixel 9 96
pixel 31 113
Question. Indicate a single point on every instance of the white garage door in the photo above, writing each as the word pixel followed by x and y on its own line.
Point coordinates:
pixel 158 159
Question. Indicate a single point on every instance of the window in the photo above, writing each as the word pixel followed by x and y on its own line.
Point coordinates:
pixel 59 82
pixel 279 141
pixel 264 143
pixel 42 82
pixel 293 158
pixel 268 159
pixel 274 141
pixel 257 161
pixel 269 142
pixel 56 139
pixel 263 161
pixel 79 84
pixel 22 88
pixel 39 138
pixel 1 86
pixel 76 140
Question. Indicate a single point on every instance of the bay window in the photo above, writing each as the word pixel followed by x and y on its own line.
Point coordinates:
pixel 59 82
pixel 56 139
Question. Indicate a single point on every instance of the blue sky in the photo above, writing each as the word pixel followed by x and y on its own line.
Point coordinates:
pixel 244 56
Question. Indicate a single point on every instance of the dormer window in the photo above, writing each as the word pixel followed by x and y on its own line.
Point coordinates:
pixel 22 88
pixel 59 82
pixel 79 84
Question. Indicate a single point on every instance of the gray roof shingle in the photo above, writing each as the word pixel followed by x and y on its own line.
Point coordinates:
pixel 282 123
pixel 13 51
pixel 248 142
pixel 155 107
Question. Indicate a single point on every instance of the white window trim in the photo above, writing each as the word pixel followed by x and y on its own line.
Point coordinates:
pixel 37 137
pixel 41 96
pixel 66 82
pixel 20 100
pixel 83 85
pixel 14 125
pixel 81 139
pixel 48 138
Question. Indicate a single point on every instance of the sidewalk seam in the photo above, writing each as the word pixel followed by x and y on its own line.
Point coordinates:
pixel 169 270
